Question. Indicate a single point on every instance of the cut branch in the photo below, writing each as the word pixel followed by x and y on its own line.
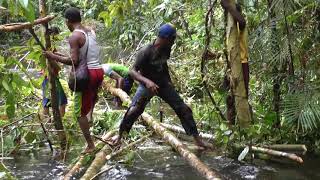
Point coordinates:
pixel 26 25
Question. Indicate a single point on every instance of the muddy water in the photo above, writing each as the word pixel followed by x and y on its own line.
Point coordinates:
pixel 154 161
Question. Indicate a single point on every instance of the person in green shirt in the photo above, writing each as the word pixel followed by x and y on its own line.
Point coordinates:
pixel 120 73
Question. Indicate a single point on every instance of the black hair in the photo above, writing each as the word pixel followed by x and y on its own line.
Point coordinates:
pixel 72 14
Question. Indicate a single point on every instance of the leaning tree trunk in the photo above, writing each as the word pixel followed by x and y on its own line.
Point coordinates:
pixel 191 158
pixel 237 84
pixel 54 103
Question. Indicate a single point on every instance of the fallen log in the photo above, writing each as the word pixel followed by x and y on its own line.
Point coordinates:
pixel 291 156
pixel 288 147
pixel 275 159
pixel 104 155
pixel 181 130
pixel 97 163
pixel 191 158
pixel 82 159
pixel 170 138
pixel 25 25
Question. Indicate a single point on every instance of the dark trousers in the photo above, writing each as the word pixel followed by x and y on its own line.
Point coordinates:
pixel 170 96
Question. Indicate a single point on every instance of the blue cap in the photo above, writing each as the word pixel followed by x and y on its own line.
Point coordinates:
pixel 167 31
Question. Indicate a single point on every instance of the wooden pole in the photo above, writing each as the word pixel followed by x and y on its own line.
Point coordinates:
pixel 52 78
pixel 26 25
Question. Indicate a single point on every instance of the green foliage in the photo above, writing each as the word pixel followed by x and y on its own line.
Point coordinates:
pixel 20 8
pixel 302 111
pixel 111 120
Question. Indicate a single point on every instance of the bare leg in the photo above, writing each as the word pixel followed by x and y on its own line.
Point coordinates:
pixel 84 125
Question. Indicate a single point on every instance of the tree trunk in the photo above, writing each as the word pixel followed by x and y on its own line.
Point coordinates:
pixel 191 158
pixel 275 50
pixel 237 84
pixel 171 139
pixel 54 103
pixel 97 163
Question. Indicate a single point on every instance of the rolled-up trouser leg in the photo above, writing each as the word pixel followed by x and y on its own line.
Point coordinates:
pixel 170 96
pixel 139 102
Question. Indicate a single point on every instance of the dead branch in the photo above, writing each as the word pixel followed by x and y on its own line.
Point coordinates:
pixel 26 25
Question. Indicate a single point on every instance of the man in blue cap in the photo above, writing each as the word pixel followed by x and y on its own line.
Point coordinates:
pixel 151 70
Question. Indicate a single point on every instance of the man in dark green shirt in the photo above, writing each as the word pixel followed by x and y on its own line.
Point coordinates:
pixel 151 70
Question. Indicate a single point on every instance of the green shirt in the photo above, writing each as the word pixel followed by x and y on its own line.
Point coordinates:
pixel 118 68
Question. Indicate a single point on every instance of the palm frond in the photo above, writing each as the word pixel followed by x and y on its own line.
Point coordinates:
pixel 302 111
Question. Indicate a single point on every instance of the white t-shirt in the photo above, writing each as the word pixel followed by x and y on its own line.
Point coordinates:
pixel 106 69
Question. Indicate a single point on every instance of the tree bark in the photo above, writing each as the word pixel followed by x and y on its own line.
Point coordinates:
pixel 26 25
pixel 237 84
pixel 54 103
pixel 171 139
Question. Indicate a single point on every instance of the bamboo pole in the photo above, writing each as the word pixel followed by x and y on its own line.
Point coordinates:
pixel 191 158
pixel 82 159
pixel 25 25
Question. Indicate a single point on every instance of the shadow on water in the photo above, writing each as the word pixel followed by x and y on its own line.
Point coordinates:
pixel 154 161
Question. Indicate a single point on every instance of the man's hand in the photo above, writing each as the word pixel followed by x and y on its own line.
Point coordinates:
pixel 49 55
pixel 152 86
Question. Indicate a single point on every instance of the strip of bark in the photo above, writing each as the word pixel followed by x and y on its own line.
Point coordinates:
pixel 25 25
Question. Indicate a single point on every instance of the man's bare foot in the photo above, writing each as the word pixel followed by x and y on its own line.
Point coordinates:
pixel 116 140
pixel 199 142
pixel 88 150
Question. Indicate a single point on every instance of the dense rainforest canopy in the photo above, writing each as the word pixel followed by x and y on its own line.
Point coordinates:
pixel 282 103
